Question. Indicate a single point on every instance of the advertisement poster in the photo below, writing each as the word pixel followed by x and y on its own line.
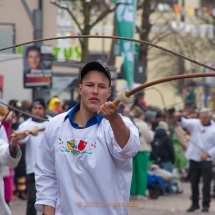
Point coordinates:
pixel 37 66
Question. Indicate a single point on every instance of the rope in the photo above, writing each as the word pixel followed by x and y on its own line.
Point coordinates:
pixel 171 78
pixel 131 92
pixel 116 38
pixel 26 113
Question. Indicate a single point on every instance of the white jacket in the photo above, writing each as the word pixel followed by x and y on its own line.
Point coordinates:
pixel 32 142
pixel 6 160
pixel 146 135
pixel 202 139
pixel 78 171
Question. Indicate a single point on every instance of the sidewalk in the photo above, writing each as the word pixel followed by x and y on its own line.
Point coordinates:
pixel 169 205
pixel 164 205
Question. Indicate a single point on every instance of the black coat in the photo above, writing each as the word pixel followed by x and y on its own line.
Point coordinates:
pixel 162 147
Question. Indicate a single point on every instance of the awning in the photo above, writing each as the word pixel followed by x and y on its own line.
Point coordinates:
pixel 60 83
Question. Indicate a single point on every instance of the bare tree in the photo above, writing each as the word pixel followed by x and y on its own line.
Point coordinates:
pixel 147 8
pixel 144 30
pixel 90 13
pixel 196 48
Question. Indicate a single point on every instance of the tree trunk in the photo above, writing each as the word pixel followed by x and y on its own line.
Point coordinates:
pixel 112 58
pixel 86 31
pixel 84 48
pixel 144 34
pixel 181 70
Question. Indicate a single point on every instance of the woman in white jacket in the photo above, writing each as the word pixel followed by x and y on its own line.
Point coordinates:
pixel 10 155
pixel 140 161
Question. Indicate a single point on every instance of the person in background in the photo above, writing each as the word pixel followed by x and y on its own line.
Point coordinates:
pixel 127 112
pixel 201 153
pixel 158 117
pixel 8 172
pixel 26 104
pixel 213 170
pixel 9 157
pixel 189 98
pixel 32 146
pixel 162 150
pixel 72 103
pixel 20 170
pixel 51 113
pixel 56 105
pixel 139 101
pixel 180 134
pixel 140 161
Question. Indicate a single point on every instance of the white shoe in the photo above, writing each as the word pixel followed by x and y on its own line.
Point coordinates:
pixel 139 197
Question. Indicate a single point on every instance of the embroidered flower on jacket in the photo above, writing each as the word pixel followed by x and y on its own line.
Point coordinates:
pixel 61 142
pixel 202 131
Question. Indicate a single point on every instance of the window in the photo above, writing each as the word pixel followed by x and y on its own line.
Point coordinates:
pixel 168 1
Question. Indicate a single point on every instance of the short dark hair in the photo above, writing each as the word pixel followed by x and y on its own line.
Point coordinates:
pixel 32 48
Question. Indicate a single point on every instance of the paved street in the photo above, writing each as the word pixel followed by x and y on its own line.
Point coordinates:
pixel 164 205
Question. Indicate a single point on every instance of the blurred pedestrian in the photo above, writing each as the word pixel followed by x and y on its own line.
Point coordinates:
pixel 140 161
pixel 190 97
pixel 20 170
pixel 8 176
pixel 56 105
pixel 127 112
pixel 162 150
pixel 201 153
pixel 38 109
pixel 9 157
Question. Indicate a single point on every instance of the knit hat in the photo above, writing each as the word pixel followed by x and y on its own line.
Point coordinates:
pixel 38 101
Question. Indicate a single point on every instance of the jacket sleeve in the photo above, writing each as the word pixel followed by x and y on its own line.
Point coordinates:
pixel 153 155
pixel 5 158
pixel 211 152
pixel 179 134
pixel 170 150
pixel 189 124
pixel 45 175
pixel 3 134
pixel 24 126
pixel 132 146
pixel 147 133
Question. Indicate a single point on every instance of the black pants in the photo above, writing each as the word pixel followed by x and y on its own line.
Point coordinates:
pixel 31 195
pixel 198 169
pixel 214 188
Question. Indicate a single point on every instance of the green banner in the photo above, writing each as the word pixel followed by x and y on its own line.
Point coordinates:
pixel 125 21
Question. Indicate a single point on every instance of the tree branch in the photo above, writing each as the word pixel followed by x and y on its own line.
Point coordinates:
pixel 139 5
pixel 104 14
pixel 70 13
